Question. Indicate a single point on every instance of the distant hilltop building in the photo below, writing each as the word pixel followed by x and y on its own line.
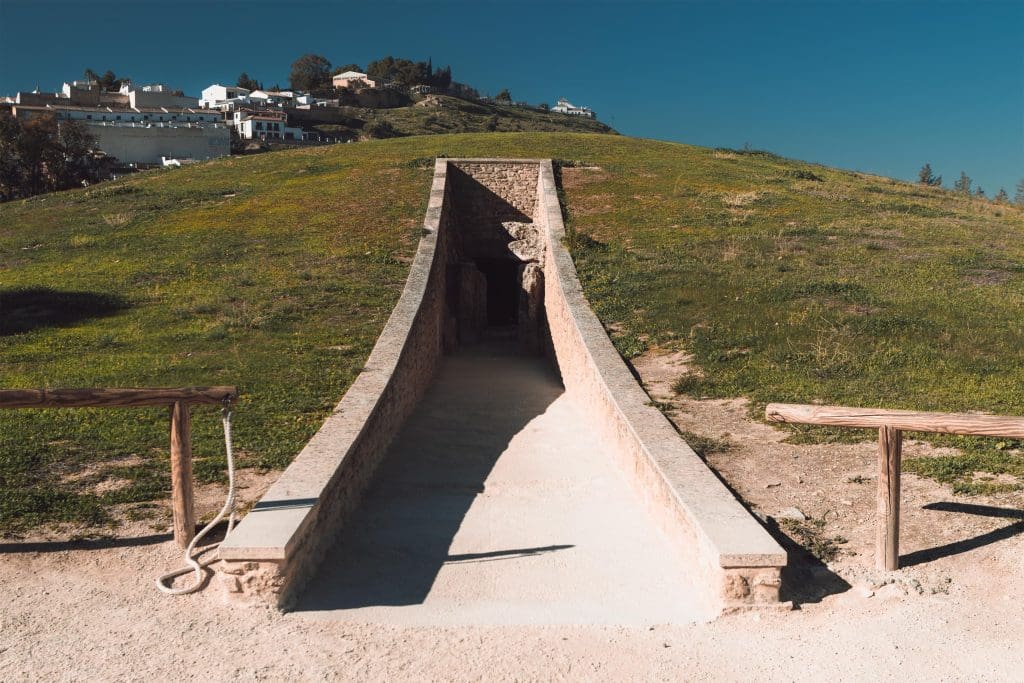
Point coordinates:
pixel 564 106
pixel 347 79
pixel 139 126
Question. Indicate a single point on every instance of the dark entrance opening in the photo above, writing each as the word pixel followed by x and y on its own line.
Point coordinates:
pixel 502 290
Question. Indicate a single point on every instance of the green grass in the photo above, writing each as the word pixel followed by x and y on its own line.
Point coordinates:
pixel 798 283
pixel 788 281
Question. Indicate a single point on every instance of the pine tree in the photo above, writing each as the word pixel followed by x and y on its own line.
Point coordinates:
pixel 926 177
pixel 979 193
pixel 963 185
pixel 1002 197
pixel 244 81
pixel 1018 197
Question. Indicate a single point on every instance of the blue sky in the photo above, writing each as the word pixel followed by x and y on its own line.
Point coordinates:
pixel 874 86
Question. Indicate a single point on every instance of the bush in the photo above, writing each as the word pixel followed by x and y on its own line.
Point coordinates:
pixel 380 130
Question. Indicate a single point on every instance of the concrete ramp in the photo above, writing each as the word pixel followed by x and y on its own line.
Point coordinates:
pixel 496 461
pixel 498 503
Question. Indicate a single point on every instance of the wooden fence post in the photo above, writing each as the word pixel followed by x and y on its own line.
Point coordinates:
pixel 887 543
pixel 181 474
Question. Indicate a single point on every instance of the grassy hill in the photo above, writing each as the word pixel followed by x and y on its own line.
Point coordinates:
pixel 788 281
pixel 441 114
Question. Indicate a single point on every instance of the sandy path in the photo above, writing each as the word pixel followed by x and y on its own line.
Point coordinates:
pixel 93 614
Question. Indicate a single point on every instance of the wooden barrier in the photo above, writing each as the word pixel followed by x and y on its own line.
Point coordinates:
pixel 891 424
pixel 179 402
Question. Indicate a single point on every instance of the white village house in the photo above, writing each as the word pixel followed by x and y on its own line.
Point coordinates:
pixel 264 125
pixel 564 106
pixel 223 97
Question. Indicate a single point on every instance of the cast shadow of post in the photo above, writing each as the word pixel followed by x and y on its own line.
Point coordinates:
pixel 967 544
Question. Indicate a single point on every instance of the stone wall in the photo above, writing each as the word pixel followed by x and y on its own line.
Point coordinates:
pixel 279 543
pixel 729 553
pixel 486 196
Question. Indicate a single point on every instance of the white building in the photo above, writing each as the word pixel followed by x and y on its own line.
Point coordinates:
pixel 157 95
pixel 264 125
pixel 564 106
pixel 349 79
pixel 142 136
pixel 216 94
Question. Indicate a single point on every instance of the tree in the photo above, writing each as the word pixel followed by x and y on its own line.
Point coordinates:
pixel 504 96
pixel 1001 196
pixel 10 166
pixel 75 145
pixel 43 154
pixel 926 177
pixel 311 72
pixel 34 147
pixel 347 67
pixel 91 76
pixel 408 73
pixel 248 83
pixel 544 106
pixel 979 193
pixel 109 81
pixel 963 185
pixel 238 145
pixel 1018 197
pixel 441 78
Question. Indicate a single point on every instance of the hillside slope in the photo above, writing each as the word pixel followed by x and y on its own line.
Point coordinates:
pixel 787 281
pixel 441 114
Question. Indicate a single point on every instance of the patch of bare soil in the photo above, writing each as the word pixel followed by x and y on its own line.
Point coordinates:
pixel 577 176
pixel 820 500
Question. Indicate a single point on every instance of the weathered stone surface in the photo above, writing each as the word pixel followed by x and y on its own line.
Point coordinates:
pixel 531 308
pixel 487 194
pixel 527 242
pixel 251 581
pixel 472 294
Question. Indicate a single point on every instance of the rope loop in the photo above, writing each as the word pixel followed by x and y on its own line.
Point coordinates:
pixel 163 583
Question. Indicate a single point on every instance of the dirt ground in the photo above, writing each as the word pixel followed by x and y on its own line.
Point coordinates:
pixel 88 610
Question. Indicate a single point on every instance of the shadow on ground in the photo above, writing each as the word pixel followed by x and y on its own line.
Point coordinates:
pixel 805 578
pixel 400 536
pixel 25 310
pixel 105 542
pixel 967 544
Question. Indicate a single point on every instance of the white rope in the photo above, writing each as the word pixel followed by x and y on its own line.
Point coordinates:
pixel 195 565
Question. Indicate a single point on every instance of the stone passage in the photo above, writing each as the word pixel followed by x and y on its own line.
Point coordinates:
pixel 498 504
pixel 495 461
pixel 496 253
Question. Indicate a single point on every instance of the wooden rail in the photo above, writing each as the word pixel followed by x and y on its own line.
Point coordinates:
pixel 891 424
pixel 179 402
